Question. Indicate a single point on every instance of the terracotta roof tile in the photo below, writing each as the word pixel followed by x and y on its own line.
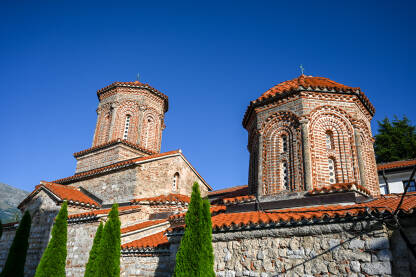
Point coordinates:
pixel 110 143
pixel 113 166
pixel 232 191
pixel 135 84
pixel 163 199
pixel 396 164
pixel 340 187
pixel 158 240
pixel 386 203
pixel 238 199
pixel 306 82
pixel 90 214
pixel 72 194
pixel 142 225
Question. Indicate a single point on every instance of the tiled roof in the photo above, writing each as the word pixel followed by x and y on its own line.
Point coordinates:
pixel 10 225
pixel 163 199
pixel 306 82
pixel 309 83
pixel 232 191
pixel 71 194
pixel 111 143
pixel 93 214
pixel 114 166
pixel 135 84
pixel 341 187
pixel 238 199
pixel 158 240
pixel 142 225
pixel 386 203
pixel 396 164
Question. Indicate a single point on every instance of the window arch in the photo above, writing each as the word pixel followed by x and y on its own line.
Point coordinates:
pixel 149 132
pixel 175 183
pixel 126 127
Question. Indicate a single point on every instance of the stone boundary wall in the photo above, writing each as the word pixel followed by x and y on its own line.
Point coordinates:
pixel 5 243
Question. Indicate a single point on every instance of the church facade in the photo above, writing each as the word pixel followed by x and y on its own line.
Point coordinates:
pixel 312 206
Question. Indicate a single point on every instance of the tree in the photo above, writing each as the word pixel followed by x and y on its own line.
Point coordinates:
pixel 194 254
pixel 15 263
pixel 108 260
pixel 395 140
pixel 207 252
pixel 53 259
pixel 91 268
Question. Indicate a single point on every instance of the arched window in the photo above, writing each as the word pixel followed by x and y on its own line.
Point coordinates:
pixel 126 127
pixel 329 139
pixel 331 170
pixel 149 132
pixel 175 181
pixel 285 177
pixel 284 143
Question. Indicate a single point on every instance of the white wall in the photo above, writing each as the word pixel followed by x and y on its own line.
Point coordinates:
pixel 395 181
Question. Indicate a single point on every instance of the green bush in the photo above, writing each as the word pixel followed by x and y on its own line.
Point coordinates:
pixel 91 268
pixel 108 260
pixel 53 259
pixel 15 263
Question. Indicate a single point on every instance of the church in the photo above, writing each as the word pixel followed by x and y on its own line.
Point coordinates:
pixel 312 205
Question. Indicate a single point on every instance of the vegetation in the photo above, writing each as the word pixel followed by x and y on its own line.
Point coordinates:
pixel 53 259
pixel 91 268
pixel 108 259
pixel 195 255
pixel 15 263
pixel 395 140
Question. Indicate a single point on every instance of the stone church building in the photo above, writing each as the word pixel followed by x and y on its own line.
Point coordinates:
pixel 312 206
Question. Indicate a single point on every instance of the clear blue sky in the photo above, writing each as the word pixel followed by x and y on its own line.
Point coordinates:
pixel 211 58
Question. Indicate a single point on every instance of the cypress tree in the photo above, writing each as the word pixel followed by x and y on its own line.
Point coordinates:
pixel 207 252
pixel 187 258
pixel 108 260
pixel 91 268
pixel 15 263
pixel 53 259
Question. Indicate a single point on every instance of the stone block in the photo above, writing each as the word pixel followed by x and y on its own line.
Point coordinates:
pixel 377 268
pixel 377 243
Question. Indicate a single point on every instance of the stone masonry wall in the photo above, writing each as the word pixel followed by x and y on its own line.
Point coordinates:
pixel 145 180
pixel 348 249
pixel 5 243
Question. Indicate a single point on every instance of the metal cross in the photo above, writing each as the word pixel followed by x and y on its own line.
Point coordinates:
pixel 301 69
pixel 138 77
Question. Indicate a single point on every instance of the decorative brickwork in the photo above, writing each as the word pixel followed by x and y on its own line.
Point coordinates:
pixel 307 133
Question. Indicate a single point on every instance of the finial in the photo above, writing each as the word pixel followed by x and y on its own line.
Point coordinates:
pixel 138 77
pixel 302 69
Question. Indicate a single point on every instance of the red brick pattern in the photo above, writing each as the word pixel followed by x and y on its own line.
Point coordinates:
pixel 145 106
pixel 321 107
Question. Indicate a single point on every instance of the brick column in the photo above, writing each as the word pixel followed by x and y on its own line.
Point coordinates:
pixel 114 111
pixel 358 148
pixel 260 166
pixel 307 168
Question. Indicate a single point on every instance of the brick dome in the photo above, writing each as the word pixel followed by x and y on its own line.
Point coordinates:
pixel 305 82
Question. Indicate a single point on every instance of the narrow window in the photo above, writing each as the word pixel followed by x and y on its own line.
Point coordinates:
pixel 175 181
pixel 126 127
pixel 329 140
pixel 331 169
pixel 149 129
pixel 285 179
pixel 284 143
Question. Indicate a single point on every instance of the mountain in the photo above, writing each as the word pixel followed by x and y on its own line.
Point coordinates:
pixel 10 197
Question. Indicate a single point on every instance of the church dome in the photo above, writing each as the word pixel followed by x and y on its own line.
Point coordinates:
pixel 304 82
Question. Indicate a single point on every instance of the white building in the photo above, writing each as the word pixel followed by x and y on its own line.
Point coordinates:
pixel 397 175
